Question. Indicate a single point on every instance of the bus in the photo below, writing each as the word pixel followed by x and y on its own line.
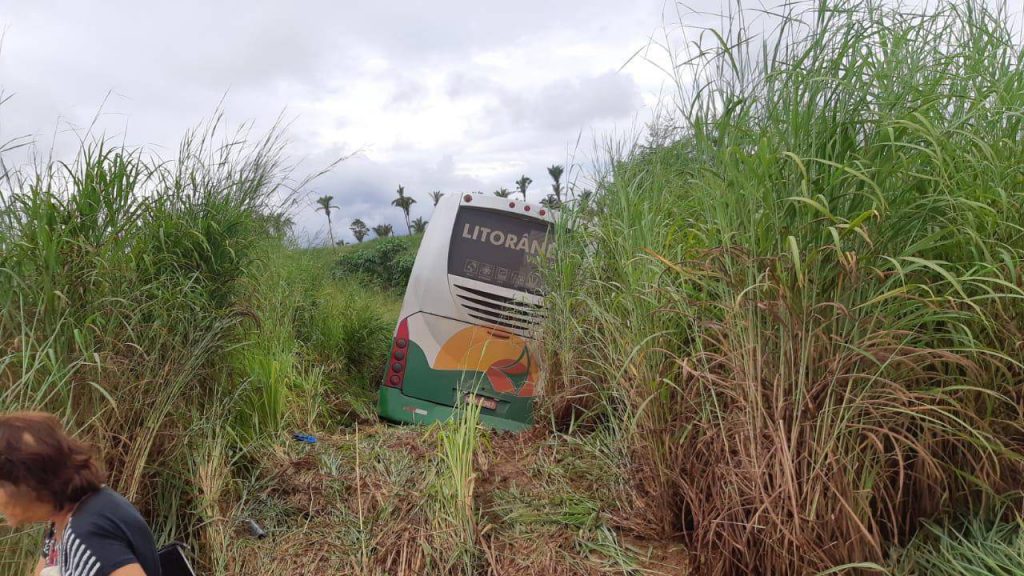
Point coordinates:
pixel 472 309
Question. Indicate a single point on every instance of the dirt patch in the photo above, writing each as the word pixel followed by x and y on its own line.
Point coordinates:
pixel 505 462
pixel 549 554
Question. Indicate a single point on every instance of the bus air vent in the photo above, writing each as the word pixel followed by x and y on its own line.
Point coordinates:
pixel 522 317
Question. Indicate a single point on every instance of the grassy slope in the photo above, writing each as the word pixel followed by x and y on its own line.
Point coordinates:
pixel 374 499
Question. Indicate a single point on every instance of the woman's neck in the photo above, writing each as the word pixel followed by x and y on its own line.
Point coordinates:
pixel 61 518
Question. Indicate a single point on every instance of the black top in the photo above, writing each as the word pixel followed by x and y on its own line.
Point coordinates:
pixel 104 533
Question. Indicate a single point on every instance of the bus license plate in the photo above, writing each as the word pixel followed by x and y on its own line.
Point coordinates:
pixel 482 401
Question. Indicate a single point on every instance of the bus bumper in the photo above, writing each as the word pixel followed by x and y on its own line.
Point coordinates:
pixel 397 407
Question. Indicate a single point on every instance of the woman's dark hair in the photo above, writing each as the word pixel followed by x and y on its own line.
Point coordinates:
pixel 36 453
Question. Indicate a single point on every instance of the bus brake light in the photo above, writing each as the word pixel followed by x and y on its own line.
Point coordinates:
pixel 396 368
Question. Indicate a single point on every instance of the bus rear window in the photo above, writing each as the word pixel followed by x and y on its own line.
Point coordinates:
pixel 498 248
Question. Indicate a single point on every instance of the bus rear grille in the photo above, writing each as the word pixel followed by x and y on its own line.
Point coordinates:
pixel 500 310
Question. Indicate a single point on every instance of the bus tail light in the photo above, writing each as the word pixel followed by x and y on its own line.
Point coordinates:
pixel 399 356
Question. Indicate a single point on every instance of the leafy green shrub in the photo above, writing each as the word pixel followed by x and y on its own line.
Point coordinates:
pixel 386 261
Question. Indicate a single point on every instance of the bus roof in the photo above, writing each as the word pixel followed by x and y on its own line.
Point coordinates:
pixel 512 205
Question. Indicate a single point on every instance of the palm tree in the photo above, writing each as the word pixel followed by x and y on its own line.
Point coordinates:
pixel 382 230
pixel 419 225
pixel 279 224
pixel 556 174
pixel 502 193
pixel 325 206
pixel 359 229
pixel 405 203
pixel 522 184
pixel 436 196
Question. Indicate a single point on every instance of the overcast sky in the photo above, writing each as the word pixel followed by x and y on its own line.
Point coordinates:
pixel 456 95
pixel 450 95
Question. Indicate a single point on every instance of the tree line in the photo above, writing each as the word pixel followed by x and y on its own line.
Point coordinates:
pixel 404 202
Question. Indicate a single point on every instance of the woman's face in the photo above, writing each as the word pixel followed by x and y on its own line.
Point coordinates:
pixel 20 506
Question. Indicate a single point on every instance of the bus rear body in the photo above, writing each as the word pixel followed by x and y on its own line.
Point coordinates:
pixel 471 310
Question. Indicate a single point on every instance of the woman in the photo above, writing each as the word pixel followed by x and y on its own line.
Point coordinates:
pixel 48 476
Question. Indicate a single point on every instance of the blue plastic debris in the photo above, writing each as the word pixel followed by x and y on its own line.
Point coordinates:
pixel 304 438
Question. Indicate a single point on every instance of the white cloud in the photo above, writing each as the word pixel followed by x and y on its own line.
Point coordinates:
pixel 456 95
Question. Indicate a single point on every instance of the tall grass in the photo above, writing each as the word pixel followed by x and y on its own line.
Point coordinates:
pixel 455 517
pixel 120 280
pixel 314 350
pixel 801 317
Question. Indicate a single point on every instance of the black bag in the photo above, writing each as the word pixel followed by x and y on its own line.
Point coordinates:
pixel 173 561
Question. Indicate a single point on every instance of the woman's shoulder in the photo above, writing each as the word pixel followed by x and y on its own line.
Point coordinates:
pixel 106 503
pixel 105 496
pixel 105 530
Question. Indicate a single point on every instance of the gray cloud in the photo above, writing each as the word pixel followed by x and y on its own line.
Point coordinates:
pixel 456 95
pixel 571 103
